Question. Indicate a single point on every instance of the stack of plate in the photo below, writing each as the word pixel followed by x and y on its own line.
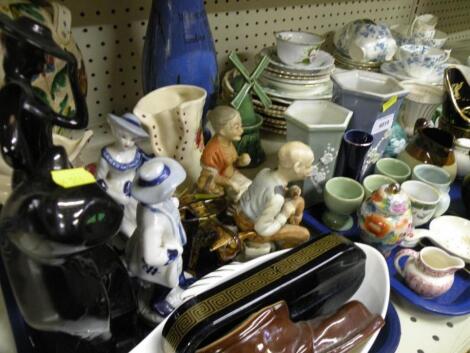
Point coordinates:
pixel 286 83
pixel 346 62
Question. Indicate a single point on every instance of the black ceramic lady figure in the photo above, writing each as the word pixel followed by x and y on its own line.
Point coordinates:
pixel 70 288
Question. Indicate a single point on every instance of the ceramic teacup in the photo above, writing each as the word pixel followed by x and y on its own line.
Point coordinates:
pixel 295 48
pixel 393 168
pixel 438 178
pixel 430 272
pixel 420 61
pixel 374 181
pixel 424 26
pixel 342 196
pixel 424 200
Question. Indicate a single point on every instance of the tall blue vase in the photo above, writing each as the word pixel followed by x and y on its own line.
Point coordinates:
pixel 179 49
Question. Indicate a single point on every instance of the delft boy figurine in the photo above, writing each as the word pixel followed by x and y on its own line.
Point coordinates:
pixel 220 158
pixel 154 252
pixel 271 209
pixel 118 164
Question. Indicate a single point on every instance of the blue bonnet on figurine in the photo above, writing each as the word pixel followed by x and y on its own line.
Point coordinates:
pixel 118 164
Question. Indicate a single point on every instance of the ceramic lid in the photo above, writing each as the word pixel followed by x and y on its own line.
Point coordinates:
pixel 390 200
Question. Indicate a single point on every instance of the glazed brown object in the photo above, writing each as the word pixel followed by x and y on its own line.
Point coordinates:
pixel 272 330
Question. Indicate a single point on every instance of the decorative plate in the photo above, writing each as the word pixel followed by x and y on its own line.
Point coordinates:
pixel 373 293
pixel 321 91
pixel 455 302
pixel 322 63
pixel 389 336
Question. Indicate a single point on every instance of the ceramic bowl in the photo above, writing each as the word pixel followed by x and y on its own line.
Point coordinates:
pixel 374 181
pixel 393 168
pixel 374 293
pixel 420 60
pixel 439 179
pixel 297 47
pixel 424 200
pixel 452 233
pixel 462 155
pixel 342 196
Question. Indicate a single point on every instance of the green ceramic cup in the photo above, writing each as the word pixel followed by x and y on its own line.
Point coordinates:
pixel 374 181
pixel 393 168
pixel 342 197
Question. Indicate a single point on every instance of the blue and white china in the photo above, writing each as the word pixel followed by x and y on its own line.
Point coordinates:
pixel 295 48
pixel 424 26
pixel 396 69
pixel 421 61
pixel 365 41
pixel 400 33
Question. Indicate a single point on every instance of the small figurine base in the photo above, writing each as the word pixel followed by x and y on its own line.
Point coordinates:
pixel 250 143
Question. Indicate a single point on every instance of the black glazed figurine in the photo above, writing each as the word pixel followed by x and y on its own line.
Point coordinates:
pixel 71 288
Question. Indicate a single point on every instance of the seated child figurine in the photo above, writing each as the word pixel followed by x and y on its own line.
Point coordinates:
pixel 118 164
pixel 154 252
pixel 220 158
pixel 271 209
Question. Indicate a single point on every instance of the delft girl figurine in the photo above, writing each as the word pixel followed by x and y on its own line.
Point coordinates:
pixel 118 164
pixel 154 252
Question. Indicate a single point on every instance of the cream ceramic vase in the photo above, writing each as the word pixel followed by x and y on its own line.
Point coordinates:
pixel 430 272
pixel 172 117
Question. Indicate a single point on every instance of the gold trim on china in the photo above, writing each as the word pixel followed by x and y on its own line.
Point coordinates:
pixel 454 91
pixel 240 290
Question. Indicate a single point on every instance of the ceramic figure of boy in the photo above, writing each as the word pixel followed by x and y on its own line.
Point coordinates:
pixel 154 252
pixel 118 165
pixel 271 208
pixel 220 158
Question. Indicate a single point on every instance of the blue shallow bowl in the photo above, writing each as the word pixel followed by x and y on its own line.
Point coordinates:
pixel 455 302
pixel 389 337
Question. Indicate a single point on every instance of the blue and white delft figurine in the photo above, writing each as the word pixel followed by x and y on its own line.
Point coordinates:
pixel 154 252
pixel 118 165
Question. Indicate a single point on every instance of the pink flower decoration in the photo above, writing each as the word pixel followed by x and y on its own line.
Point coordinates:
pixel 398 207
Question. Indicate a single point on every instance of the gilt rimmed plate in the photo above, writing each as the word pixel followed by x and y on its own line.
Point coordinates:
pixel 323 62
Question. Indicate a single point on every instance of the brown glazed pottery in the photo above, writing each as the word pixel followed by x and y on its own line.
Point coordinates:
pixel 272 330
pixel 430 146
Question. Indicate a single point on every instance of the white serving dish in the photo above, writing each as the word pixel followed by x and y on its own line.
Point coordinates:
pixel 373 293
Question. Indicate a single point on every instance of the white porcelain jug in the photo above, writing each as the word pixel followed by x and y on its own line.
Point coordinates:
pixel 172 117
pixel 430 272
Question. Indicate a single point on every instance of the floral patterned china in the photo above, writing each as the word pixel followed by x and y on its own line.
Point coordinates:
pixel 322 63
pixel 420 61
pixel 397 70
pixel 297 48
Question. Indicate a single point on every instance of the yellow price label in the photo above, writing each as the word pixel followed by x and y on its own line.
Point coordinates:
pixel 69 178
pixel 386 106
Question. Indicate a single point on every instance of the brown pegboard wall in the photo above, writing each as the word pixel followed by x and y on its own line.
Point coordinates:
pixel 111 34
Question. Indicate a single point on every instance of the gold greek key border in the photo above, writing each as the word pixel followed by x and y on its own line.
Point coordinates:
pixel 240 290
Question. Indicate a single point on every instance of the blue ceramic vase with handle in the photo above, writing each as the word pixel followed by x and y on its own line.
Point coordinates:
pixel 179 48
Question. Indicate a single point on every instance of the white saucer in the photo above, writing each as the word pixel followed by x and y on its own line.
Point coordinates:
pixel 373 293
pixel 396 69
pixel 322 63
pixel 319 91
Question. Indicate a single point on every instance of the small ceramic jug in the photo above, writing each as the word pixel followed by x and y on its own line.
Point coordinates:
pixel 462 155
pixel 430 146
pixel 424 26
pixel 430 272
pixel 385 218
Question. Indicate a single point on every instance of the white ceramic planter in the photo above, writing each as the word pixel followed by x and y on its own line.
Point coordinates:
pixel 319 124
pixel 172 117
pixel 421 102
